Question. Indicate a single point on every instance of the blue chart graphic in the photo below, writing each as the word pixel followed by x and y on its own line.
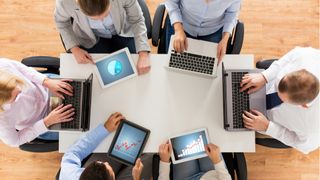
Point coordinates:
pixel 189 145
pixel 114 67
pixel 128 143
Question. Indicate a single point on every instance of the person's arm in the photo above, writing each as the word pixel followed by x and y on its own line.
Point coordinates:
pixel 288 137
pixel 28 72
pixel 230 17
pixel 220 172
pixel 165 151
pixel 63 22
pixel 136 20
pixel 71 161
pixel 11 137
pixel 172 7
pixel 272 72
pixel 164 170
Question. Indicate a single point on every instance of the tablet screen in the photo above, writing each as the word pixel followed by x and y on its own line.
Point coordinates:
pixel 129 142
pixel 189 145
pixel 114 67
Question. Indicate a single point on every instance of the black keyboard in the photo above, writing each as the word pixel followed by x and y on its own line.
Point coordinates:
pixel 75 100
pixel 240 100
pixel 192 62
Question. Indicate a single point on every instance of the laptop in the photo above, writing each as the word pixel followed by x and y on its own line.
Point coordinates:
pixel 235 102
pixel 81 101
pixel 199 59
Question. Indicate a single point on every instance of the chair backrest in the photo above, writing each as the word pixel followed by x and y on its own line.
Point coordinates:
pixel 147 17
pixel 236 165
pixel 48 63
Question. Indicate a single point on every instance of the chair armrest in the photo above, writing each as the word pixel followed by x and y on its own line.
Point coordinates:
pixel 241 166
pixel 52 64
pixel 238 38
pixel 265 64
pixel 157 24
pixel 271 143
pixel 39 145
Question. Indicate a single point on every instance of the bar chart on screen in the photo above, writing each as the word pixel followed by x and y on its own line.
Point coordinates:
pixel 195 146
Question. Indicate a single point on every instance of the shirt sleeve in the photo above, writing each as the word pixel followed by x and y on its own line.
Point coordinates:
pixel 164 171
pixel 231 16
pixel 71 160
pixel 28 72
pixel 288 137
pixel 174 11
pixel 10 136
pixel 272 72
pixel 220 172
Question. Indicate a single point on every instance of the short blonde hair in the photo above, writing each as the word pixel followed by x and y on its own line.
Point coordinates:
pixel 8 82
pixel 301 86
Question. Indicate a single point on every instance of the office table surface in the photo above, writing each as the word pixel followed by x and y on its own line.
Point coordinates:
pixel 164 101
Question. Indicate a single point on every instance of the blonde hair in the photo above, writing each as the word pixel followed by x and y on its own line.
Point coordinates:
pixel 8 82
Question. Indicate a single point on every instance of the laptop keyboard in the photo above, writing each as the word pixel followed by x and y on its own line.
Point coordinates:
pixel 75 100
pixel 240 100
pixel 192 62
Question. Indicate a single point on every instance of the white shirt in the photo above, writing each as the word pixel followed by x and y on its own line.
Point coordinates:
pixel 103 28
pixel 295 125
pixel 220 172
pixel 27 111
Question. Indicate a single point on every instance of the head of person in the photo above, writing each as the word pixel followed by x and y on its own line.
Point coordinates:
pixel 98 170
pixel 95 9
pixel 10 87
pixel 299 87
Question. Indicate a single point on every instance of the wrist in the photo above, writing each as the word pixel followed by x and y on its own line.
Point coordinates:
pixel 45 82
pixel 178 28
pixel 264 78
pixel 143 53
pixel 266 125
pixel 46 122
pixel 74 49
pixel 216 160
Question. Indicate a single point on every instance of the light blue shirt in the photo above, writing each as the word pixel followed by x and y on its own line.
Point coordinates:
pixel 204 17
pixel 71 161
pixel 103 28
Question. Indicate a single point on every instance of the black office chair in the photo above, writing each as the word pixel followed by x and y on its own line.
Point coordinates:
pixel 269 142
pixel 159 33
pixel 48 65
pixel 147 20
pixel 235 162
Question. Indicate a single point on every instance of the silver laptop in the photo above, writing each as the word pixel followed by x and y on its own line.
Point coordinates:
pixel 81 101
pixel 235 102
pixel 200 58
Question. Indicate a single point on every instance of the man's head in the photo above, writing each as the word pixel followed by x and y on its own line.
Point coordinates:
pixel 95 9
pixel 98 170
pixel 10 87
pixel 298 87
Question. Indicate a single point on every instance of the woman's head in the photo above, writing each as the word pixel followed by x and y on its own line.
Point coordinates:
pixel 96 9
pixel 10 87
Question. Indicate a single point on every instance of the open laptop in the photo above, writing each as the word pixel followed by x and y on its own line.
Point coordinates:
pixel 200 58
pixel 235 102
pixel 81 101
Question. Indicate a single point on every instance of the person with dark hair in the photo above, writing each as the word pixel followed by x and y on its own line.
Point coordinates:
pixel 103 26
pixel 293 101
pixel 106 168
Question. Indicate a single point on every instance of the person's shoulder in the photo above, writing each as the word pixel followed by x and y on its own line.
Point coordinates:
pixel 7 62
pixel 299 49
pixel 66 3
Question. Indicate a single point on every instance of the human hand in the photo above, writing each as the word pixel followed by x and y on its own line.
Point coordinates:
pixel 143 64
pixel 222 46
pixel 180 42
pixel 81 56
pixel 255 120
pixel 59 87
pixel 59 114
pixel 165 152
pixel 213 152
pixel 137 170
pixel 253 82
pixel 113 121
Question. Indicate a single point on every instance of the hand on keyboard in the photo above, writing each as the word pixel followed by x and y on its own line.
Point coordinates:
pixel 255 120
pixel 59 114
pixel 59 87
pixel 252 82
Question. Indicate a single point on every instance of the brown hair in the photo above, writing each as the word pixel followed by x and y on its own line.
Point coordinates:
pixel 93 7
pixel 300 86
pixel 96 171
pixel 8 82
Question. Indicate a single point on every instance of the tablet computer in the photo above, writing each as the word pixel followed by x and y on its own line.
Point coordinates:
pixel 115 68
pixel 189 146
pixel 128 142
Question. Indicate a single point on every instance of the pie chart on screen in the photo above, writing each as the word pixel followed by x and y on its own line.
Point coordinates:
pixel 114 67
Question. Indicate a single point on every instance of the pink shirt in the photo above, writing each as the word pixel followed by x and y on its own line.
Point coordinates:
pixel 26 113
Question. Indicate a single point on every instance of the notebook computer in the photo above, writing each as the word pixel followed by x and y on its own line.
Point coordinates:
pixel 235 102
pixel 81 101
pixel 200 58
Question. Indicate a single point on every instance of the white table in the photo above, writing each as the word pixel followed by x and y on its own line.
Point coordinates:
pixel 166 102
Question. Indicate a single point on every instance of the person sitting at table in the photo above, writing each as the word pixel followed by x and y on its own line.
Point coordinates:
pixel 293 101
pixel 103 26
pixel 104 168
pixel 206 20
pixel 24 103
pixel 207 168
